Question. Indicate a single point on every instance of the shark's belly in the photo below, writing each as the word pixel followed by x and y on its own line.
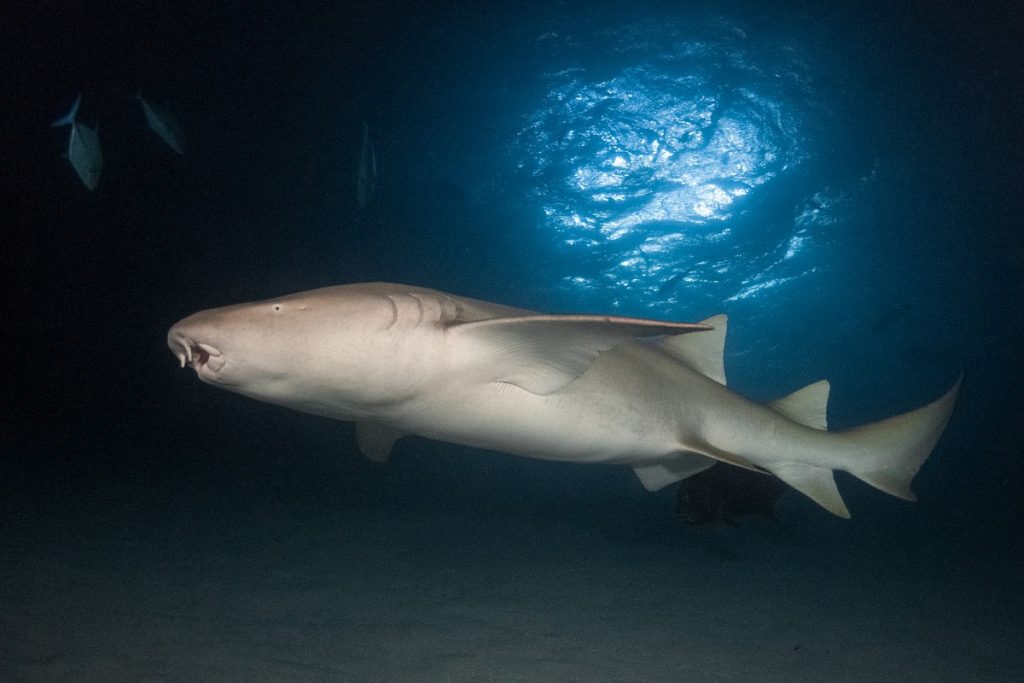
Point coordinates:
pixel 541 427
pixel 622 410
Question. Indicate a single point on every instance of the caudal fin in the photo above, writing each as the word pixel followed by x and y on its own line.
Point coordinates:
pixel 886 454
pixel 69 118
pixel 889 453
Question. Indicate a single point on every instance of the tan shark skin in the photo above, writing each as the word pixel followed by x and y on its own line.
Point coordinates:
pixel 401 360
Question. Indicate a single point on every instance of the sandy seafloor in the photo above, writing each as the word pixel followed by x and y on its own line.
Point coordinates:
pixel 294 574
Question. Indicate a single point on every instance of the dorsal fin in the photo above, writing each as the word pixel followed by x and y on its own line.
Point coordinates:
pixel 808 406
pixel 704 352
pixel 544 353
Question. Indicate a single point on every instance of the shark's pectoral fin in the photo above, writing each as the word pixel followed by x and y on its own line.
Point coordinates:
pixel 376 440
pixel 808 406
pixel 817 483
pixel 681 466
pixel 544 353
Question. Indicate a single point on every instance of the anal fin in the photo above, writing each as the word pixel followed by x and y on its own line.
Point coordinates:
pixel 817 483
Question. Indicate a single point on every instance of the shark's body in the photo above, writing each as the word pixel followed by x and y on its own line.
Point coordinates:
pixel 84 151
pixel 403 360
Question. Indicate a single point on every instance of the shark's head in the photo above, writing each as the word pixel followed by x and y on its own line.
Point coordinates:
pixel 283 350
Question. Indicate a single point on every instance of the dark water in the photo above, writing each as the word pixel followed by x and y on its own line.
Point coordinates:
pixel 843 181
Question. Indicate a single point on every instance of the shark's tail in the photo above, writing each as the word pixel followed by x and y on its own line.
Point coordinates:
pixel 69 118
pixel 895 448
pixel 886 454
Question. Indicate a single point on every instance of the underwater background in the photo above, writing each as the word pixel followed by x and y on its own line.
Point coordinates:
pixel 843 179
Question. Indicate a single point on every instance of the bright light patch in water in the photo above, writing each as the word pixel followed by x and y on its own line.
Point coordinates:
pixel 644 172
pixel 756 288
pixel 796 243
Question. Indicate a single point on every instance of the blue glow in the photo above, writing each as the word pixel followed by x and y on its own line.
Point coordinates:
pixel 653 172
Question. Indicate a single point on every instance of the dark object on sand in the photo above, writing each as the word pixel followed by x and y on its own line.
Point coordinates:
pixel 722 493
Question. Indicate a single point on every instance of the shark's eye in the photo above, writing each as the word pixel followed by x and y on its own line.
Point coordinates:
pixel 276 308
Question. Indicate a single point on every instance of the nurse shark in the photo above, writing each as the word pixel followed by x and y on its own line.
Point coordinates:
pixel 399 360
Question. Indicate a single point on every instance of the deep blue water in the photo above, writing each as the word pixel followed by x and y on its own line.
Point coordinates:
pixel 842 180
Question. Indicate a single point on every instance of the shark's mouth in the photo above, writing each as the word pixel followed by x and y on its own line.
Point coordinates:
pixel 207 360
